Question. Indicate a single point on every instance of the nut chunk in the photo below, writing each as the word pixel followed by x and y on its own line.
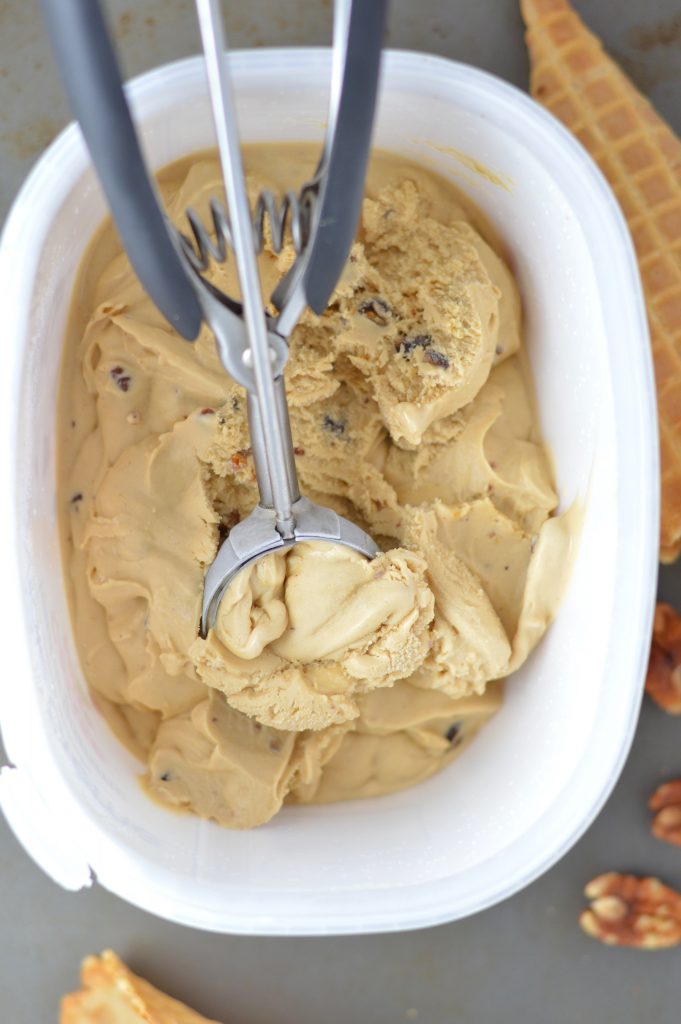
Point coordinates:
pixel 630 911
pixel 666 804
pixel 663 682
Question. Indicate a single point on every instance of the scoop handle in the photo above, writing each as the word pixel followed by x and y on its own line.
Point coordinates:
pixel 90 73
pixel 358 40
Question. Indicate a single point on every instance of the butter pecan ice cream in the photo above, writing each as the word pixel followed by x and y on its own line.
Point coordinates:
pixel 326 677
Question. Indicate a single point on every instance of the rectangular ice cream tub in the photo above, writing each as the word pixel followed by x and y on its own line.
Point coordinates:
pixel 534 779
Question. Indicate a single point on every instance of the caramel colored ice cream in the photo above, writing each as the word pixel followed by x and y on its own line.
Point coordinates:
pixel 326 677
pixel 300 634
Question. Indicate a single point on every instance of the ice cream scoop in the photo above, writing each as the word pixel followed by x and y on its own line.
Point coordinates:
pixel 330 210
pixel 252 344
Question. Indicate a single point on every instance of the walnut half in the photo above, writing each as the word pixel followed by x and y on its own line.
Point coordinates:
pixel 630 911
pixel 666 805
pixel 663 682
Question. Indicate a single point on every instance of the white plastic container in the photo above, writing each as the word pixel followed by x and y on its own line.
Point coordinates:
pixel 539 773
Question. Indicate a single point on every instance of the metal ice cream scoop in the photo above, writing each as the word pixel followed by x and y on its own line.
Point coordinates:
pixel 327 222
pixel 322 220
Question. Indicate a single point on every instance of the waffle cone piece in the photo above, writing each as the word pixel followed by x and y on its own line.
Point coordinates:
pixel 640 156
pixel 112 994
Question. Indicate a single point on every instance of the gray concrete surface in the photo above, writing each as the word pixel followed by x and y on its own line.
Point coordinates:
pixel 523 962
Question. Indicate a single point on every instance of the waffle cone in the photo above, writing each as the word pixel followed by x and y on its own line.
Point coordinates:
pixel 640 156
pixel 112 994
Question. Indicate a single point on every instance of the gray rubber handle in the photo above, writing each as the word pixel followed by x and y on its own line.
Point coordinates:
pixel 90 74
pixel 343 190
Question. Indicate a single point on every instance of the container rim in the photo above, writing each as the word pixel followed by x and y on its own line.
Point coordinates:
pixel 435 902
